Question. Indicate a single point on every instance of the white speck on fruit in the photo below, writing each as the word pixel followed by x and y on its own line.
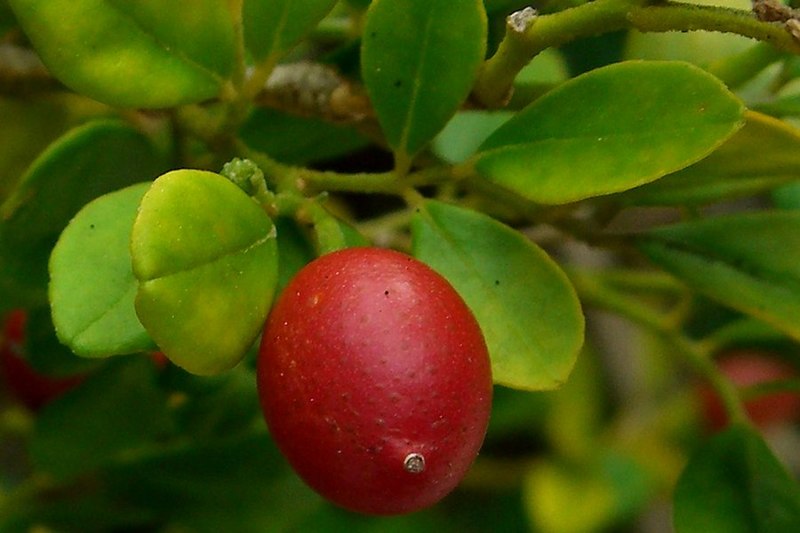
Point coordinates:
pixel 414 463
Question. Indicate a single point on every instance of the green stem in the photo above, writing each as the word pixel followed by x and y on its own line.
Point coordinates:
pixel 309 181
pixel 526 39
pixel 593 291
pixel 523 42
pixel 235 7
pixel 675 16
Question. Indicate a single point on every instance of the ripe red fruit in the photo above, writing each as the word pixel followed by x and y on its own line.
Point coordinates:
pixel 30 387
pixel 746 368
pixel 375 381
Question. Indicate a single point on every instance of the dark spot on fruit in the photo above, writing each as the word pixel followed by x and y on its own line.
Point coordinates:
pixel 496 282
pixel 386 292
pixel 398 84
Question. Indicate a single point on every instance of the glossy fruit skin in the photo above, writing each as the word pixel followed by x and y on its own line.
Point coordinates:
pixel 751 367
pixel 31 388
pixel 371 364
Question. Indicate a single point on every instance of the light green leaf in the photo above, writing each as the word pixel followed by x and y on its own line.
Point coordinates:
pixel 151 53
pixel 86 162
pixel 610 130
pixel 749 261
pixel 419 60
pixel 735 484
pixel 763 154
pixel 273 27
pixel 701 48
pixel 547 70
pixel 465 132
pixel 92 287
pixel 527 309
pixel 334 234
pixel 205 256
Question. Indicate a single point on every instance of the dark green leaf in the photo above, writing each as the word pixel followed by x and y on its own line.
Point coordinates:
pixel 272 27
pixel 763 154
pixel 85 163
pixel 208 486
pixel 419 61
pixel 113 414
pixel 298 140
pixel 294 250
pixel 525 304
pixel 220 406
pixel 735 484
pixel 610 130
pixel 205 255
pixel 151 53
pixel 92 287
pixel 748 261
pixel 45 353
pixel 28 126
pixel 7 20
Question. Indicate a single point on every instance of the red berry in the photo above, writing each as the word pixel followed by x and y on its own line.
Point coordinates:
pixel 745 368
pixel 30 387
pixel 375 381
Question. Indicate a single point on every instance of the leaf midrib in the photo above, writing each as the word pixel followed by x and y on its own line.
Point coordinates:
pixel 211 259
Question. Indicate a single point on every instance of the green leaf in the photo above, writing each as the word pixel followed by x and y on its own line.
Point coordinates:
pixel 465 132
pixel 85 163
pixel 419 60
pixel 92 287
pixel 114 413
pixel 599 493
pixel 610 130
pixel 216 407
pixel 334 234
pixel 294 250
pixel 240 482
pixel 734 483
pixel 748 261
pixel 273 27
pixel 151 53
pixel 763 154
pixel 7 20
pixel 526 307
pixel 206 259
pixel 28 126
pixel 298 140
pixel 702 48
pixel 547 70
pixel 45 353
